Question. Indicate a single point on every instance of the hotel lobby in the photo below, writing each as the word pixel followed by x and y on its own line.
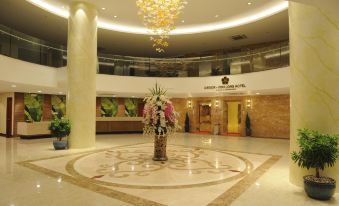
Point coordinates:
pixel 169 102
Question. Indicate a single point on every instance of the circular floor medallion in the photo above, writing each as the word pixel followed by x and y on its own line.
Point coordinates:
pixel 133 167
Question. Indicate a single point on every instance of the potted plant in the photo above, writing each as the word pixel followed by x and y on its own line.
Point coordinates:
pixel 60 128
pixel 248 125
pixel 187 123
pixel 160 120
pixel 317 151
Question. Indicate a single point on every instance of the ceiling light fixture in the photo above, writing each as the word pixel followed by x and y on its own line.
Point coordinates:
pixel 13 85
pixel 249 3
pixel 216 16
pixel 159 16
pixel 103 8
pixel 115 16
pixel 39 91
pixel 276 8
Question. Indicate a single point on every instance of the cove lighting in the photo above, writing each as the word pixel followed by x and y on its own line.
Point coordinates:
pixel 184 30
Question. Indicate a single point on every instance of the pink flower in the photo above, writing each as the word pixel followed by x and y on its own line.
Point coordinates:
pixel 168 111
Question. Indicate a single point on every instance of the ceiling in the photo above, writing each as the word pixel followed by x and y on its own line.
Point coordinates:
pixel 30 19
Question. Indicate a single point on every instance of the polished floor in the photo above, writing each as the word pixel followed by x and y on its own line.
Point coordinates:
pixel 202 170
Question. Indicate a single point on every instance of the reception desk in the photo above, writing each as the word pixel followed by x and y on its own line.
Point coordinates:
pixel 103 125
pixel 119 124
pixel 32 129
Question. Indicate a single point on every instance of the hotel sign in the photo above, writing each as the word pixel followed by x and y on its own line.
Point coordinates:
pixel 225 86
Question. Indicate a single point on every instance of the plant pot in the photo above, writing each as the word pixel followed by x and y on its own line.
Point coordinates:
pixel 59 145
pixel 319 190
pixel 248 132
pixel 160 143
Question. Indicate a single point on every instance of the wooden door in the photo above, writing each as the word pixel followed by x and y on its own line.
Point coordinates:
pixel 9 117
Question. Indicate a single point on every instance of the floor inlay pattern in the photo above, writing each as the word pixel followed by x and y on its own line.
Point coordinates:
pixel 127 173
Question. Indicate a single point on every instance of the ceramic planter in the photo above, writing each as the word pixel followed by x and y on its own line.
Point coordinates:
pixel 60 145
pixel 320 191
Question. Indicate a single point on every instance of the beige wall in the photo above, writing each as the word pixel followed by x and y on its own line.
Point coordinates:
pixel 270 115
pixel 3 108
pixel 314 47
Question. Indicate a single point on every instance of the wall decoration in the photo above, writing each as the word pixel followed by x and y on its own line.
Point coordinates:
pixel 131 107
pixel 33 107
pixel 58 106
pixel 109 107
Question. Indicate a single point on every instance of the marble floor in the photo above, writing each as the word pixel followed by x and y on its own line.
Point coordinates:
pixel 202 170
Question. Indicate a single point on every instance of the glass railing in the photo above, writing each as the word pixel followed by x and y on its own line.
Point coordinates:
pixel 21 46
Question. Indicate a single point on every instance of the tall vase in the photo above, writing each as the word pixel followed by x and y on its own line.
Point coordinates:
pixel 160 143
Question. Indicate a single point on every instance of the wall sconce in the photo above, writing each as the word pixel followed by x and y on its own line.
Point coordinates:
pixel 189 104
pixel 248 104
pixel 216 103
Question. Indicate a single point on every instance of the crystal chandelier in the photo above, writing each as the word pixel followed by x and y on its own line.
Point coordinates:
pixel 159 16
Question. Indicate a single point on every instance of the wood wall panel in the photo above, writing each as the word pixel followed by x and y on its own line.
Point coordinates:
pixel 98 107
pixel 47 108
pixel 19 108
pixel 118 126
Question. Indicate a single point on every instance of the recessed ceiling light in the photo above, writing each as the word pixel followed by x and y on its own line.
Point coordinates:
pixel 182 21
pixel 249 3
pixel 39 91
pixel 13 85
pixel 269 11
pixel 216 16
pixel 59 92
pixel 133 96
pixel 115 16
pixel 257 93
pixel 103 8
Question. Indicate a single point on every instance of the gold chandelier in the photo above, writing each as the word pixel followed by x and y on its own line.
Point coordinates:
pixel 159 16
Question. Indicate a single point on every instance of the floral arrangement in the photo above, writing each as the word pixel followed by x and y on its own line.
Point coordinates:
pixel 159 115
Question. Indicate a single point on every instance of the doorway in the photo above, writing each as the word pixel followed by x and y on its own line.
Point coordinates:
pixel 205 117
pixel 232 118
pixel 9 117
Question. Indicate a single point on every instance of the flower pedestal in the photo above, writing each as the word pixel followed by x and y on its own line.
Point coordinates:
pixel 160 143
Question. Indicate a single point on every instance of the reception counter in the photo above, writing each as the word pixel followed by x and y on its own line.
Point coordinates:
pixel 103 125
pixel 32 129
pixel 119 124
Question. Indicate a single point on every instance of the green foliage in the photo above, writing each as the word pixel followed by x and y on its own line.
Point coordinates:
pixel 187 123
pixel 316 150
pixel 131 107
pixel 60 128
pixel 248 121
pixel 157 90
pixel 109 107
pixel 33 107
pixel 58 106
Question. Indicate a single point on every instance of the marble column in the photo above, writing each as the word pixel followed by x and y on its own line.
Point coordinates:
pixel 81 68
pixel 314 45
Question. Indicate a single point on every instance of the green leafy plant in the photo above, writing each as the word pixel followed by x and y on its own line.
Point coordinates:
pixel 187 123
pixel 109 107
pixel 33 107
pixel 60 128
pixel 248 125
pixel 58 106
pixel 131 107
pixel 316 150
